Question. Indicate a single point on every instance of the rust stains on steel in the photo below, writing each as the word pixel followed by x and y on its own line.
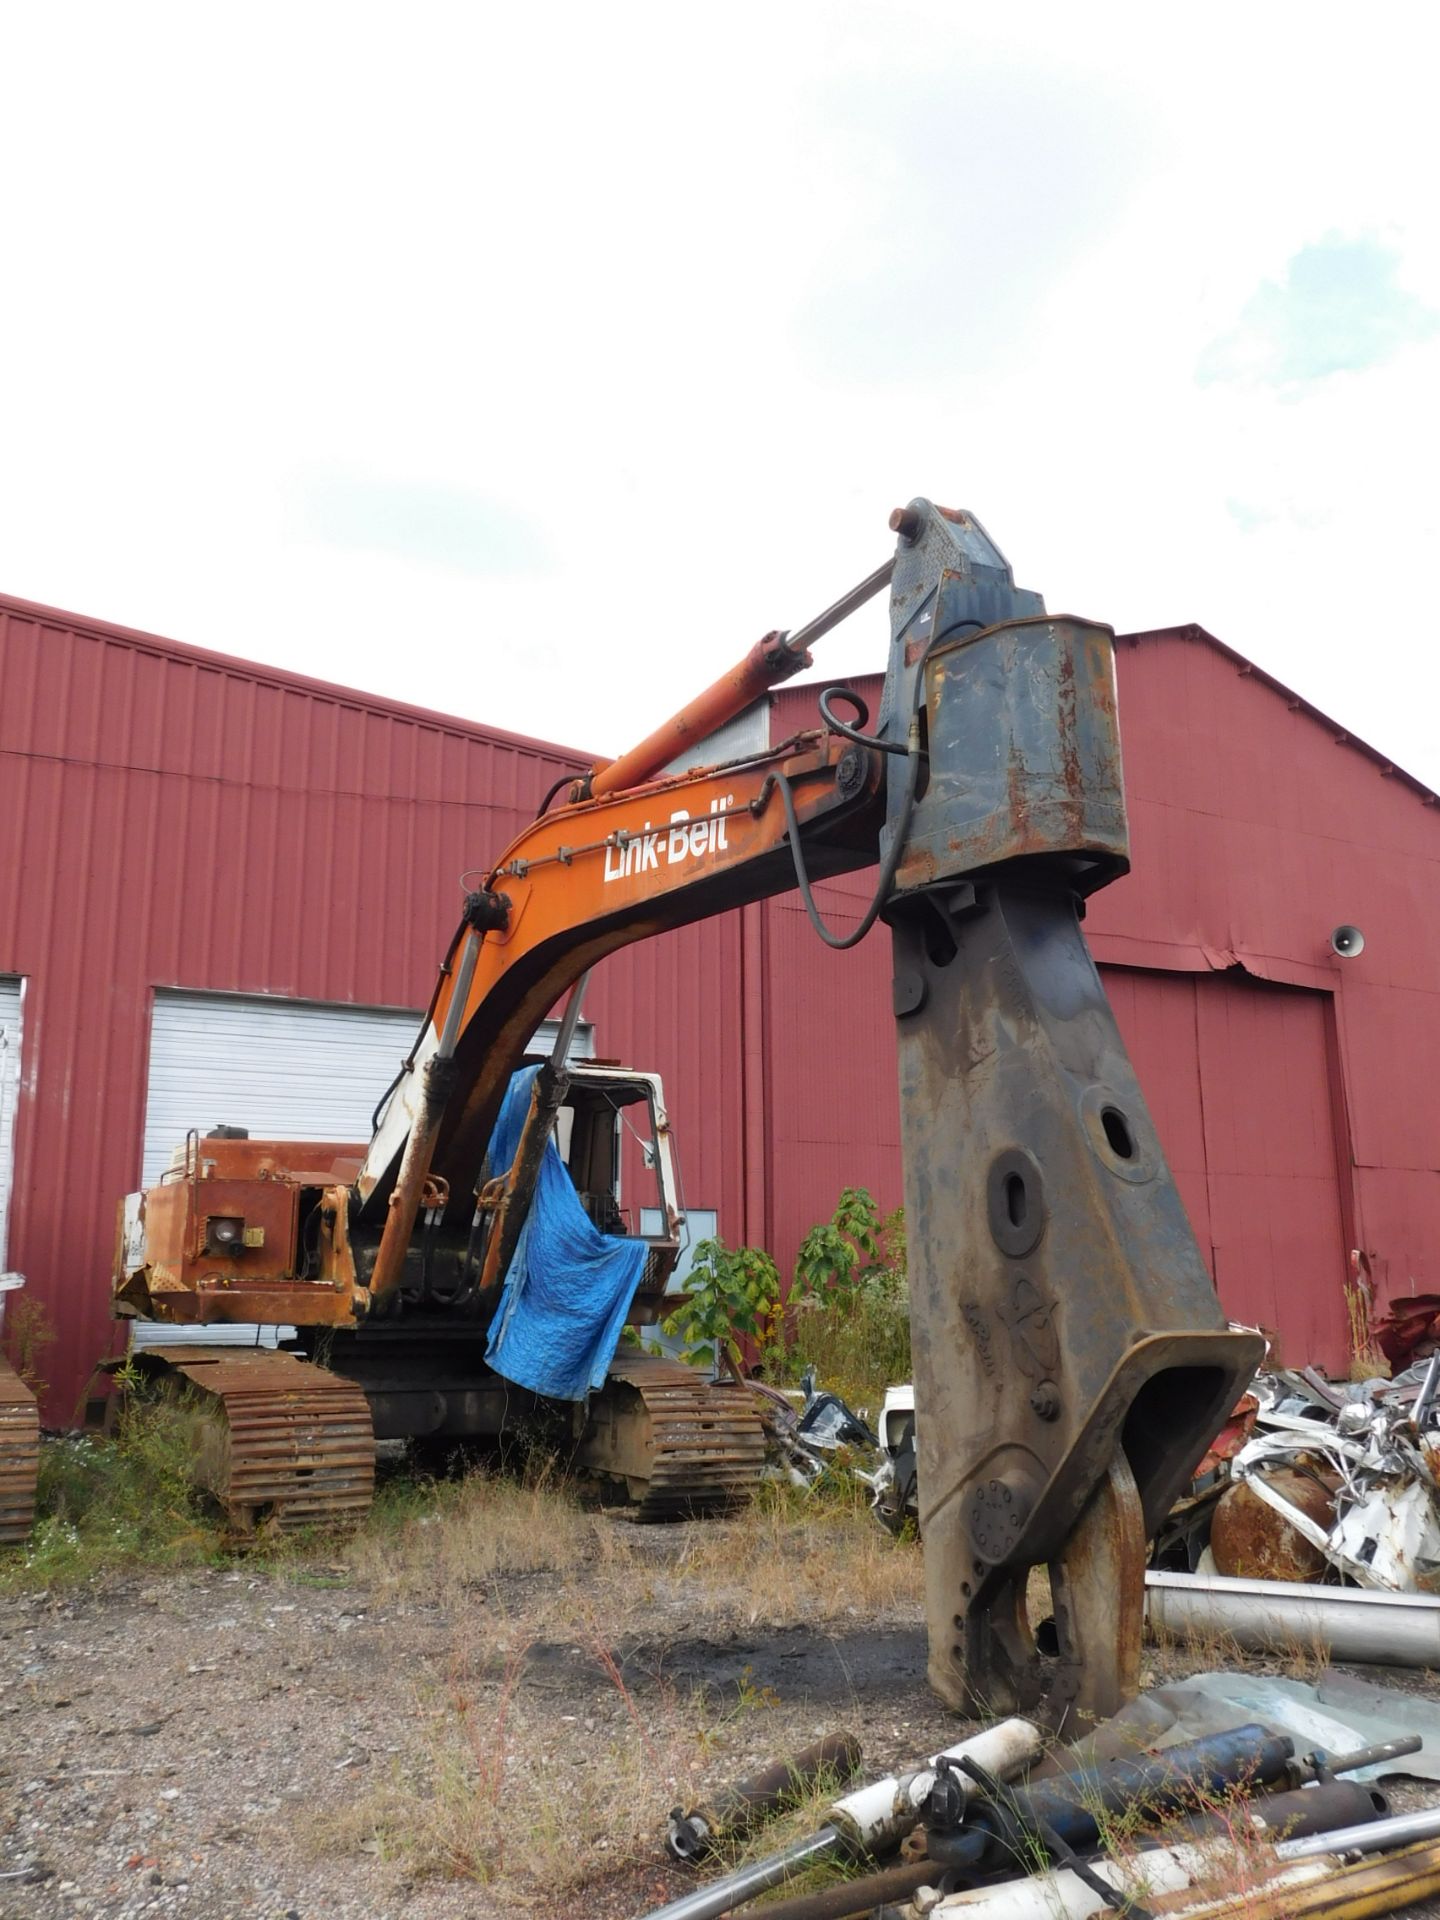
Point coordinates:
pixel 1251 1541
pixel 833 1759
pixel 19 1456
pixel 852 1897
pixel 279 1441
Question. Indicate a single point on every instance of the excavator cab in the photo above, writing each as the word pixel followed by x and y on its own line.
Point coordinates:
pixel 613 1134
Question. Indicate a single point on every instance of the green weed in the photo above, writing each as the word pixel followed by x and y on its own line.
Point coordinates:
pixel 848 1315
pixel 105 1504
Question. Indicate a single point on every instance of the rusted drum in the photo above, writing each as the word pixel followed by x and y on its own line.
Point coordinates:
pixel 1251 1541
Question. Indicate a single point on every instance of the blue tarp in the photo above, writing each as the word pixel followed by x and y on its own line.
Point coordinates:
pixel 569 1286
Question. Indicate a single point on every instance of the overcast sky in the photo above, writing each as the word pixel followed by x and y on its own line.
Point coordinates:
pixel 529 363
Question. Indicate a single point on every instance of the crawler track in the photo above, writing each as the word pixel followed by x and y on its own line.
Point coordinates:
pixel 19 1457
pixel 279 1442
pixel 684 1445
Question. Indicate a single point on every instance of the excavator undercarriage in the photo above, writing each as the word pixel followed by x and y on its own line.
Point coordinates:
pixel 280 1443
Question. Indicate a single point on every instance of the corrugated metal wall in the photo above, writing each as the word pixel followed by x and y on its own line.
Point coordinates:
pixel 174 819
pixel 10 1071
pixel 1298 1095
pixel 170 818
pixel 1258 826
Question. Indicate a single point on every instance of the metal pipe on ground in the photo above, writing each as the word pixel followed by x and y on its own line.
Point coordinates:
pixel 1400 1830
pixel 870 1820
pixel 847 1898
pixel 1321 1764
pixel 1333 1803
pixel 1295 1815
pixel 1070 1808
pixel 748 1883
pixel 1292 1891
pixel 694 1833
pixel 1344 1893
pixel 877 1817
pixel 1347 1623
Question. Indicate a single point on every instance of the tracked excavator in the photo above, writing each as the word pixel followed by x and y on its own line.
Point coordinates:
pixel 1072 1360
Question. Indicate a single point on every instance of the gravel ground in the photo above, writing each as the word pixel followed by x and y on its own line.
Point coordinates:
pixel 175 1744
pixel 159 1739
pixel 195 1744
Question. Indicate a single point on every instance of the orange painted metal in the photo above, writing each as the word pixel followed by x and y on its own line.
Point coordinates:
pixel 594 877
pixel 767 663
pixel 263 1184
pixel 635 864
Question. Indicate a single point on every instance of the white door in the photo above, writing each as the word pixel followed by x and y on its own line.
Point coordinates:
pixel 284 1070
pixel 9 1097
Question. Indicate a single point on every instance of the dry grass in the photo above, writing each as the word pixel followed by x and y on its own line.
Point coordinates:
pixel 790 1556
pixel 1299 1657
pixel 1367 1362
pixel 111 1505
pixel 500 1788
pixel 795 1556
pixel 520 1784
pixel 444 1540
pixel 1231 1866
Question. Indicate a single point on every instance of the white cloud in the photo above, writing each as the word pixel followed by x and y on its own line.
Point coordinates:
pixel 1338 309
pixel 532 364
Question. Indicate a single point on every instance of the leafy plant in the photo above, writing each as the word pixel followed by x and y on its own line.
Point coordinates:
pixel 835 1255
pixel 732 1293
pixel 123 1501
pixel 849 1315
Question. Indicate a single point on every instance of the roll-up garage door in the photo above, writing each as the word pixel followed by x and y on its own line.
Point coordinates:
pixel 9 1097
pixel 283 1069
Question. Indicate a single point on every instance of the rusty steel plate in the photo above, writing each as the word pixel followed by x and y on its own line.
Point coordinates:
pixel 279 1442
pixel 19 1457
pixel 1251 1541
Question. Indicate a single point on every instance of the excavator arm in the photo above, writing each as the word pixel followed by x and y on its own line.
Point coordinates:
pixel 576 885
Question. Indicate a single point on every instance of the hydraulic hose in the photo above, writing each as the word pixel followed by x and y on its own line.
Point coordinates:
pixel 841 941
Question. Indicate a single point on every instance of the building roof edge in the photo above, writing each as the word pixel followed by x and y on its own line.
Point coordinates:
pixel 284 677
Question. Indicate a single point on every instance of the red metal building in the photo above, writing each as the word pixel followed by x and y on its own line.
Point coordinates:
pixel 186 836
pixel 175 824
pixel 1297 1093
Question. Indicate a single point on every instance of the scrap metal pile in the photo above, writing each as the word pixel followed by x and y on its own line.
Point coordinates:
pixel 1315 1480
pixel 1311 1480
pixel 1145 1816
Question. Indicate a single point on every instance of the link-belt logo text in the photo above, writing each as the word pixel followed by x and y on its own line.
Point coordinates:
pixel 683 839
